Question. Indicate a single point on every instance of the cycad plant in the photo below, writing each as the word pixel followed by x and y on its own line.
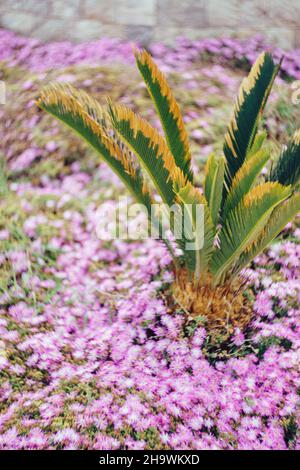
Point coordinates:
pixel 243 211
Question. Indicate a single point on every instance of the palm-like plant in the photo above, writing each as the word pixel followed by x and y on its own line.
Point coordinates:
pixel 243 212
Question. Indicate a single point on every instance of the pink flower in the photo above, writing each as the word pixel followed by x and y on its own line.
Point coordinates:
pixel 263 305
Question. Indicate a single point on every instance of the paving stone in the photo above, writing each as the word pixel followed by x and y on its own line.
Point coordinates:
pixel 159 20
pixel 189 13
pixel 65 9
pixel 20 22
pixel 139 34
pixel 87 30
pixel 99 9
pixel 135 12
pixel 33 6
pixel 223 14
pixel 53 30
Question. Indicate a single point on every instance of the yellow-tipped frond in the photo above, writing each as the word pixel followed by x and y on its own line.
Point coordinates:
pixel 138 124
pixel 287 168
pixel 245 89
pixel 278 220
pixel 151 150
pixel 249 82
pixel 213 185
pixel 296 137
pixel 72 102
pixel 190 198
pixel 168 110
pixel 244 180
pixel 83 115
pixel 248 108
pixel 259 192
pixel 244 224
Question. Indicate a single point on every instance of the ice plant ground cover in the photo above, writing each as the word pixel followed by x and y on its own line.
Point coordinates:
pixel 19 51
pixel 90 356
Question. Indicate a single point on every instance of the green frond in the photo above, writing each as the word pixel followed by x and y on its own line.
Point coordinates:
pixel 244 179
pixel 244 224
pixel 168 111
pixel 150 148
pixel 82 115
pixel 279 218
pixel 251 100
pixel 91 106
pixel 213 185
pixel 85 116
pixel 258 142
pixel 287 168
pixel 197 260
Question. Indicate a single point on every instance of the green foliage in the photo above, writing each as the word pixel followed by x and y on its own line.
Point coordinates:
pixel 249 105
pixel 287 169
pixel 276 223
pixel 242 213
pixel 244 224
pixel 197 260
pixel 86 117
pixel 244 180
pixel 168 112
pixel 149 147
pixel 213 185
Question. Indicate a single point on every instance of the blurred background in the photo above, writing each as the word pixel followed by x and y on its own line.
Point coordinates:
pixel 148 21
